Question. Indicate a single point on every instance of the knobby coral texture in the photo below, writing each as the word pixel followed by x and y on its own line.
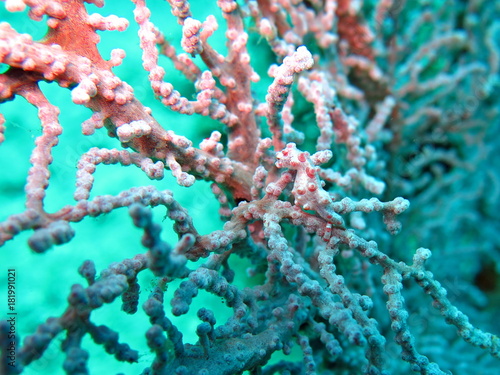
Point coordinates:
pixel 342 142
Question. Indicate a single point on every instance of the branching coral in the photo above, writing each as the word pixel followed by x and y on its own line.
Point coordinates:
pixel 355 116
